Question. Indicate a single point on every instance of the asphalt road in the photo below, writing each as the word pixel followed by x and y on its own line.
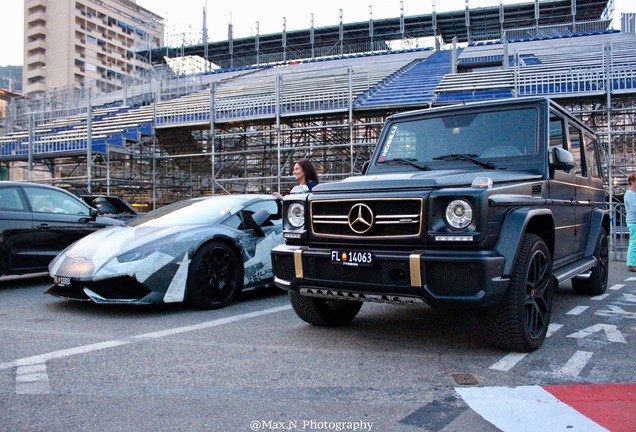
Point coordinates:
pixel 254 365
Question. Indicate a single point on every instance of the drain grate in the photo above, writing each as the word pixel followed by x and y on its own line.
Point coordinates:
pixel 465 379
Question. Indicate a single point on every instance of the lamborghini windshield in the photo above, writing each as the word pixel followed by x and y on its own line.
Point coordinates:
pixel 190 212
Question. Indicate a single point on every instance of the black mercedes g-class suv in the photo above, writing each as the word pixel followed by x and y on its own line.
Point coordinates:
pixel 489 204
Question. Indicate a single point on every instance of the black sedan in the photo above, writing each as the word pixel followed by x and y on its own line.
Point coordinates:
pixel 203 251
pixel 37 222
pixel 111 206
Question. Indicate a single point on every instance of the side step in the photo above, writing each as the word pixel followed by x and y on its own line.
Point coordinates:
pixel 581 269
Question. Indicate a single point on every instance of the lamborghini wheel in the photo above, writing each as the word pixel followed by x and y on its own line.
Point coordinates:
pixel 215 277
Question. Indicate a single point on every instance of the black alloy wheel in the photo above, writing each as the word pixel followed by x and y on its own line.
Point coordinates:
pixel 215 276
pixel 596 283
pixel 520 321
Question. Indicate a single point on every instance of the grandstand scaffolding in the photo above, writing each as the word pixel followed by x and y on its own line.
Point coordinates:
pixel 241 129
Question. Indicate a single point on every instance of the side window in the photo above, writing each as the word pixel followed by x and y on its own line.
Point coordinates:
pixel 592 158
pixel 556 134
pixel 576 140
pixel 273 207
pixel 52 201
pixel 233 221
pixel 10 200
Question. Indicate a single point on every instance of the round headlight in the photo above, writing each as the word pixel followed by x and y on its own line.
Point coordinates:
pixel 459 214
pixel 296 215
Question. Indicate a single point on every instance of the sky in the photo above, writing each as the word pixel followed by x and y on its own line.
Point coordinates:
pixel 184 18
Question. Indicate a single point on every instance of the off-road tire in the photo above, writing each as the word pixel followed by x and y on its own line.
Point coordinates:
pixel 520 321
pixel 323 312
pixel 596 284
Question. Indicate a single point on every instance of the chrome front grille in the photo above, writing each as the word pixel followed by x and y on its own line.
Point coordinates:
pixel 380 218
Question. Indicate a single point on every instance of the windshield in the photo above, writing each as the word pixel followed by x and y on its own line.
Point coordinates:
pixel 479 135
pixel 189 212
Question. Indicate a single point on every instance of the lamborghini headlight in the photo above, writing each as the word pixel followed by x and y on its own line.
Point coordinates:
pixel 142 252
pixel 136 255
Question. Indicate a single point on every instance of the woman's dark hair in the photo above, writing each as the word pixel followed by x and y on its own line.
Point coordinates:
pixel 309 170
pixel 631 178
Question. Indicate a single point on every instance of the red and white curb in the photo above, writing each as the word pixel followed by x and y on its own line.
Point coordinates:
pixel 568 408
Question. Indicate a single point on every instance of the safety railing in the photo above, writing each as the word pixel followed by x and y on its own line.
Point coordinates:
pixel 619 233
pixel 558 29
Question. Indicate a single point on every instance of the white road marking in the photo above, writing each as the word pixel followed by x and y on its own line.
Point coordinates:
pixel 510 360
pixel 630 279
pixel 552 329
pixel 616 287
pixel 600 297
pixel 43 358
pixel 32 380
pixel 612 333
pixel 612 311
pixel 577 310
pixel 525 409
pixel 628 299
pixel 575 365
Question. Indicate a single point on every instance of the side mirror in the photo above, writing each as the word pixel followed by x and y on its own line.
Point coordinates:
pixel 94 213
pixel 562 159
pixel 365 167
pixel 256 220
pixel 300 189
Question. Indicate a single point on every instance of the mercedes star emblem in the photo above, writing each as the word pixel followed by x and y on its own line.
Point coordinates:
pixel 360 218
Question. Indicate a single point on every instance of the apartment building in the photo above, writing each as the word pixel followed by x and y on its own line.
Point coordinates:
pixel 87 42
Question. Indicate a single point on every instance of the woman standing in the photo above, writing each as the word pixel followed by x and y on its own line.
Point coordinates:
pixel 630 220
pixel 306 174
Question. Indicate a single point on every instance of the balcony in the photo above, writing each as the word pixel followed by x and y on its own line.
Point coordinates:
pixel 36 87
pixel 36 73
pixel 35 44
pixel 40 22
pixel 36 34
pixel 37 15
pixel 36 29
pixel 36 6
pixel 38 57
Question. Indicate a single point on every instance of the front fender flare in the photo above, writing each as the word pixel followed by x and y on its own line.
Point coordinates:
pixel 514 227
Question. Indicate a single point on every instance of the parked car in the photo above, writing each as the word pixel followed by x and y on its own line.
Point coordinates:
pixel 488 205
pixel 204 251
pixel 111 206
pixel 37 222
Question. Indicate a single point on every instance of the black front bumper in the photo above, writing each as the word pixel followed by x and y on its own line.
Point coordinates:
pixel 439 278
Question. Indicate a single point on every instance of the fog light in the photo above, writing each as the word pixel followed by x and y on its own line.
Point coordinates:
pixel 453 238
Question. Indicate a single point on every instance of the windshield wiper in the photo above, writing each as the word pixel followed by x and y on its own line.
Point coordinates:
pixel 466 156
pixel 412 162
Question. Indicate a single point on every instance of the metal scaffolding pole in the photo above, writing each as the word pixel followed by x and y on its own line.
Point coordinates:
pixel 31 144
pixel 212 126
pixel 278 131
pixel 89 142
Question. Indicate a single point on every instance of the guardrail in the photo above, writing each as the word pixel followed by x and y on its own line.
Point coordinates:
pixel 619 235
pixel 558 29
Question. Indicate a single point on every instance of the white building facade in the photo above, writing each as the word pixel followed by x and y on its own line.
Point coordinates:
pixel 89 43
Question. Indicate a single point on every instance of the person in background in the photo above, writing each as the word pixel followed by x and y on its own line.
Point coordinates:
pixel 630 220
pixel 305 174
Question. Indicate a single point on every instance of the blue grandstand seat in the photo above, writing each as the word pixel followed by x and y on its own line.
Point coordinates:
pixel 412 85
